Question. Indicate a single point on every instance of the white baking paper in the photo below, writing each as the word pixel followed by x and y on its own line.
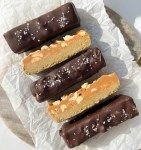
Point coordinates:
pixel 107 37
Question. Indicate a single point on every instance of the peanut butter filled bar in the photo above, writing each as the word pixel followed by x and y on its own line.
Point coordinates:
pixel 57 52
pixel 87 96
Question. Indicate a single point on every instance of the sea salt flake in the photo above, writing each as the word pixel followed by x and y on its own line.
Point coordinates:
pixel 123 111
pixel 62 21
pixel 113 116
pixel 33 38
pixel 25 32
pixel 94 127
pixel 86 130
pixel 109 119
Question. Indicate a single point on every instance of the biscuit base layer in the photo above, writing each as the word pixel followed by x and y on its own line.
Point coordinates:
pixel 86 97
pixel 56 53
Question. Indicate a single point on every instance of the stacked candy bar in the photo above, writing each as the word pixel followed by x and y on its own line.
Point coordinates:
pixel 76 70
pixel 89 110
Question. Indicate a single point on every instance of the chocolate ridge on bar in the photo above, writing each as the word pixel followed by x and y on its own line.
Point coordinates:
pixel 76 70
pixel 98 120
pixel 37 31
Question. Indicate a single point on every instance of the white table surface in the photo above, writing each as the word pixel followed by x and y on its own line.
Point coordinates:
pixel 130 10
pixel 9 141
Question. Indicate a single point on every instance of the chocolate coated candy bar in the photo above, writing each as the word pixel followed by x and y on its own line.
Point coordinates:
pixel 99 120
pixel 76 70
pixel 35 32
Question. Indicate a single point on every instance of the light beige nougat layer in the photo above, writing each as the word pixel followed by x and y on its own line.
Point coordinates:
pixel 87 96
pixel 56 53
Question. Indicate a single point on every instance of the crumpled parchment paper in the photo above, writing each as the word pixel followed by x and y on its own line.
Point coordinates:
pixel 107 37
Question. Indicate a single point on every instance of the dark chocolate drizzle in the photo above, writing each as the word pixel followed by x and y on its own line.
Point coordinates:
pixel 76 70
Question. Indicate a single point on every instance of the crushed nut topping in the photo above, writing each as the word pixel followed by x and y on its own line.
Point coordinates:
pixel 63 44
pixel 68 37
pixel 44 47
pixel 37 54
pixel 88 86
pixel 110 75
pixel 93 89
pixel 85 86
pixel 64 97
pixel 74 97
pixel 56 103
pixel 52 45
pixel 63 107
pixel 58 41
pixel 82 33
pixel 79 99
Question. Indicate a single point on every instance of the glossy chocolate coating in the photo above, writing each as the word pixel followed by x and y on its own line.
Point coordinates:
pixel 76 70
pixel 99 120
pixel 35 32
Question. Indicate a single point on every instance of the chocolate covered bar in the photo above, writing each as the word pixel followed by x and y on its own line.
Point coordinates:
pixel 37 31
pixel 87 96
pixel 99 120
pixel 56 53
pixel 76 70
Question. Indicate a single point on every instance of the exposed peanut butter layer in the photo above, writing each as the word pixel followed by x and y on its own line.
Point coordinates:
pixel 87 96
pixel 56 53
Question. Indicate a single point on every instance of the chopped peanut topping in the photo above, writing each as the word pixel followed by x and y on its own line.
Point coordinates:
pixel 63 107
pixel 79 99
pixel 44 47
pixel 68 37
pixel 93 89
pixel 64 97
pixel 82 33
pixel 63 44
pixel 56 103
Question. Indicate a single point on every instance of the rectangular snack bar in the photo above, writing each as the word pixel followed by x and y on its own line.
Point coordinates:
pixel 37 31
pixel 76 70
pixel 87 96
pixel 56 53
pixel 99 120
